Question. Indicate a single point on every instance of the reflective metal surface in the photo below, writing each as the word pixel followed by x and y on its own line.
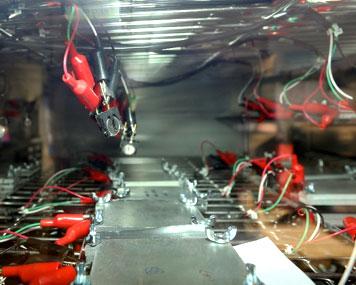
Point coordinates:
pixel 166 261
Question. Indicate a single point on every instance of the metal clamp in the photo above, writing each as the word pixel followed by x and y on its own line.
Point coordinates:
pixel 102 200
pixel 208 222
pixel 118 185
pixel 93 239
pixel 82 277
pixel 122 192
pixel 98 217
pixel 221 238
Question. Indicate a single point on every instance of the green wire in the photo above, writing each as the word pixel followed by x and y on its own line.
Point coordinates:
pixel 235 167
pixel 60 175
pixel 70 21
pixel 237 163
pixel 305 233
pixel 21 230
pixel 332 88
pixel 284 190
pixel 54 204
pixel 311 71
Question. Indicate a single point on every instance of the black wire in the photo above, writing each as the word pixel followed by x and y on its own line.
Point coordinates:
pixel 316 211
pixel 244 39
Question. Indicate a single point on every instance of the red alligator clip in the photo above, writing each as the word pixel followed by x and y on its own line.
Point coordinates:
pixel 350 222
pixel 81 67
pixel 228 157
pixel 63 276
pixel 75 232
pixel 97 175
pixel 84 93
pixel 295 168
pixel 259 162
pixel 256 107
pixel 62 221
pixel 27 272
pixel 277 110
pixel 82 82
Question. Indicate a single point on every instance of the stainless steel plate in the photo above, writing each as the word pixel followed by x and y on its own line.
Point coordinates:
pixel 166 261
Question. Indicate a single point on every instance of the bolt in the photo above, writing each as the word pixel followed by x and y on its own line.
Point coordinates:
pixel 310 188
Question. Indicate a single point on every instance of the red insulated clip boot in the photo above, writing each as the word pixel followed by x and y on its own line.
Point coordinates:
pixel 29 271
pixel 62 221
pixel 83 92
pixel 81 67
pixel 228 157
pixel 87 200
pixel 350 223
pixel 63 276
pixel 97 175
pixel 75 232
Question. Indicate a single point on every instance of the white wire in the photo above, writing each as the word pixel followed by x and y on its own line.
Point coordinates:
pixel 284 91
pixel 90 23
pixel 227 189
pixel 29 212
pixel 283 94
pixel 261 187
pixel 60 172
pixel 317 228
pixel 280 11
pixel 329 69
pixel 248 83
pixel 349 267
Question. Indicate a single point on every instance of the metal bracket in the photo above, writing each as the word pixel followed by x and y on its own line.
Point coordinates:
pixel 221 238
pixel 251 278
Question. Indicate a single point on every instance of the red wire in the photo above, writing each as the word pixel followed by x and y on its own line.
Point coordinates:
pixel 265 171
pixel 59 188
pixel 321 85
pixel 306 115
pixel 333 234
pixel 77 182
pixel 74 184
pixel 13 233
pixel 71 40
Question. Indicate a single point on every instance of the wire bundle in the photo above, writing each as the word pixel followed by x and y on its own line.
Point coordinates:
pixel 10 235
pixel 239 165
